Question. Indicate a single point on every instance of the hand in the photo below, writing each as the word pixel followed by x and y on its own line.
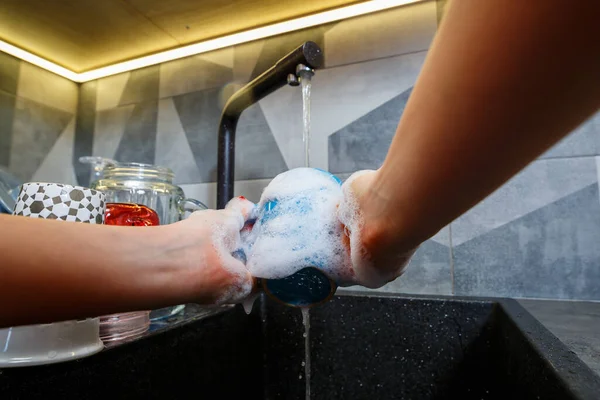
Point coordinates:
pixel 203 245
pixel 379 251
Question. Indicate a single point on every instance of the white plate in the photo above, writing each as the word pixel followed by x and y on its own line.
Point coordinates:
pixel 29 345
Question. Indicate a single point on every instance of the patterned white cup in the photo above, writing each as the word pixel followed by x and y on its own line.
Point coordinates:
pixel 60 202
pixel 59 341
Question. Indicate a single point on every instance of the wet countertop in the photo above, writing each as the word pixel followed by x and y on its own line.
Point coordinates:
pixel 575 323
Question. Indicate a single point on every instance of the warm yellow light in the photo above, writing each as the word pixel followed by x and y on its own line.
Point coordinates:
pixel 209 45
pixel 39 61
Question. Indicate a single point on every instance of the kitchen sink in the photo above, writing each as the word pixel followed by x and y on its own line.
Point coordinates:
pixel 361 347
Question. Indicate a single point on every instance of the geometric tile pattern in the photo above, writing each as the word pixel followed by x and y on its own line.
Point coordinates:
pixel 7 110
pixel 46 88
pixel 84 130
pixel 551 252
pixel 60 202
pixel 199 114
pixel 57 166
pixel 408 29
pixel 142 86
pixel 9 73
pixel 139 139
pixel 192 74
pixel 583 141
pixel 172 147
pixel 364 143
pixel 36 127
pixel 542 183
pixel 109 129
pixel 339 96
pixel 110 90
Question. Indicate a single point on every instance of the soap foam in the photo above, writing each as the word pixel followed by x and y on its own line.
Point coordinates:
pixel 350 215
pixel 225 226
pixel 298 227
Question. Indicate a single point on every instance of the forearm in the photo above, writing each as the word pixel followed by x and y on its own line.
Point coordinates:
pixel 503 81
pixel 52 271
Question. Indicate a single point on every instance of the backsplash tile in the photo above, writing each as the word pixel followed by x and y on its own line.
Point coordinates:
pixel 258 156
pixel 583 141
pixel 9 73
pixel 339 96
pixel 36 127
pixel 538 241
pixel 142 86
pixel 540 184
pixel 550 253
pixel 192 74
pixel 139 138
pixel 364 143
pixel 58 166
pixel 84 130
pixel 110 89
pixel 109 128
pixel 199 114
pixel 172 147
pixel 406 29
pixel 46 88
pixel 7 110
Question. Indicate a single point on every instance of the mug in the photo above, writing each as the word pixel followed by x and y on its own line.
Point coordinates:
pixel 59 341
pixel 60 202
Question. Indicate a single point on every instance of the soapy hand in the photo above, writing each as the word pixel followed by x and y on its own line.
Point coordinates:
pixel 204 244
pixel 377 257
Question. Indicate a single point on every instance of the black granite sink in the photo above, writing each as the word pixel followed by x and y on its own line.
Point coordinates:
pixel 361 348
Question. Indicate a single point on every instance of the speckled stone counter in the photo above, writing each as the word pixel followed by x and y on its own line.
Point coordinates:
pixel 361 347
pixel 575 323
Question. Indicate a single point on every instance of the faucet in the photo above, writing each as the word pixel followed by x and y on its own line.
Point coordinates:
pixel 288 70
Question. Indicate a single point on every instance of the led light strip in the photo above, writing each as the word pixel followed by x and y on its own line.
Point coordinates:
pixel 209 45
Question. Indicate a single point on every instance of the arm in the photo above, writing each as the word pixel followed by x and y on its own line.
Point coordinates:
pixel 52 271
pixel 503 81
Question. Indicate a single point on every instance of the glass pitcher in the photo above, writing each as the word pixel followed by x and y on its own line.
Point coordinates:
pixel 151 186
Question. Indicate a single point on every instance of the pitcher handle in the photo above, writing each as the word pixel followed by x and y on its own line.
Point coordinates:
pixel 191 205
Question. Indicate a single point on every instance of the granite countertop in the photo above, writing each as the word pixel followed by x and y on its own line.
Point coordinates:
pixel 575 323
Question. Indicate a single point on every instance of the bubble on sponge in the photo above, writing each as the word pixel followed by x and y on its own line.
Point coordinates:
pixel 298 227
pixel 349 214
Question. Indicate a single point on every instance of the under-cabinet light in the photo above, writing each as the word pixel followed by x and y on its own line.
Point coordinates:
pixel 39 61
pixel 213 44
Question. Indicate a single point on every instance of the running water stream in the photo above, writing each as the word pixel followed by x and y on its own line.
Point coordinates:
pixel 305 80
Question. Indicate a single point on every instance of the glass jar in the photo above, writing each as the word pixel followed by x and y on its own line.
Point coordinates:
pixel 151 186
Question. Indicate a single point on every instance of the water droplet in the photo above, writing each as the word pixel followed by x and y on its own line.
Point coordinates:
pixel 52 354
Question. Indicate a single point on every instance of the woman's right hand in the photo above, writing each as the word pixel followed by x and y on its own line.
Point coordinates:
pixel 380 251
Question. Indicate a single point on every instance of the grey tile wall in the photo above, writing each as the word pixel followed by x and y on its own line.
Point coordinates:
pixel 139 138
pixel 84 130
pixel 7 111
pixel 535 237
pixel 9 73
pixel 9 77
pixel 36 127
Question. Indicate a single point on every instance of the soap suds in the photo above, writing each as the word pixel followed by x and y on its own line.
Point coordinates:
pixel 350 215
pixel 225 226
pixel 297 227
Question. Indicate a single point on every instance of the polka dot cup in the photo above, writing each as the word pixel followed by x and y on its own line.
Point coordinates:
pixel 60 202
